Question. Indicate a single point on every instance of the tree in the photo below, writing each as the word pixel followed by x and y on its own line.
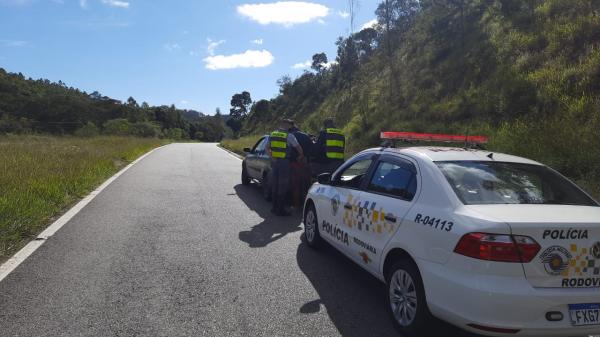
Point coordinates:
pixel 319 62
pixel 235 125
pixel 131 102
pixel 240 104
pixel 218 112
pixel 366 42
pixel 284 83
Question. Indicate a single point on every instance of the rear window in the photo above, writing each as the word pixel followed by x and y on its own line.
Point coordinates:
pixel 481 183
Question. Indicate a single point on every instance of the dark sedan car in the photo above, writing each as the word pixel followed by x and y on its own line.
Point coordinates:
pixel 257 166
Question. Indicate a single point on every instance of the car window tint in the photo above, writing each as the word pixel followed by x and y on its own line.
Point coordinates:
pixel 353 175
pixel 260 146
pixel 395 180
pixel 477 182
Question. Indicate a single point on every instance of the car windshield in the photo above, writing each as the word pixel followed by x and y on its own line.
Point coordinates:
pixel 481 183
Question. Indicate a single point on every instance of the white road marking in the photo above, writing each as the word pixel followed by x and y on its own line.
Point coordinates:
pixel 7 267
pixel 234 155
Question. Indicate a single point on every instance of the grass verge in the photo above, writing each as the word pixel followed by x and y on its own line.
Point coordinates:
pixel 238 145
pixel 40 176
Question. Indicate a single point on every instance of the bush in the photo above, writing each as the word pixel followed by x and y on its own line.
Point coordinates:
pixel 176 134
pixel 118 126
pixel 88 130
pixel 145 129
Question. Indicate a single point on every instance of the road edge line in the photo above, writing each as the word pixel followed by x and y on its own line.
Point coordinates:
pixel 231 153
pixel 19 257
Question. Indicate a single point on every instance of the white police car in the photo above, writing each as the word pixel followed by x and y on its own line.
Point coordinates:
pixel 492 243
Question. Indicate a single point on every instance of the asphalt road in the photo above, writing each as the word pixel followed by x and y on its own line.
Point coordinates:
pixel 177 247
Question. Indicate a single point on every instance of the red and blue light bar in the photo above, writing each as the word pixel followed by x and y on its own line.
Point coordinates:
pixel 433 137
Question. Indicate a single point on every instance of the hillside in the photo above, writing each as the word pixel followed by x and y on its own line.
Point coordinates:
pixel 525 72
pixel 41 106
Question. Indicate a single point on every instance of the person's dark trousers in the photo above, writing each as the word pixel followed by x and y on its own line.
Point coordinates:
pixel 300 182
pixel 280 183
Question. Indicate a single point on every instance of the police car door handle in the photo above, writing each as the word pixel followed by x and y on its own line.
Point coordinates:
pixel 348 206
pixel 390 218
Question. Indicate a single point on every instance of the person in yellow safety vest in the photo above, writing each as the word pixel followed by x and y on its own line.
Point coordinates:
pixel 279 147
pixel 329 148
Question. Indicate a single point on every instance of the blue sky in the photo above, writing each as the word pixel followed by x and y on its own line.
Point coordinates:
pixel 191 53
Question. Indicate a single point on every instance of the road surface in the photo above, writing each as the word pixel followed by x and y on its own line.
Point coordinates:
pixel 177 247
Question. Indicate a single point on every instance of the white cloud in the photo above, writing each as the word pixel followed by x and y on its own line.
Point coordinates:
pixel 171 47
pixel 248 59
pixel 302 65
pixel 212 46
pixel 370 24
pixel 330 64
pixel 116 3
pixel 257 41
pixel 344 14
pixel 83 3
pixel 287 13
pixel 184 102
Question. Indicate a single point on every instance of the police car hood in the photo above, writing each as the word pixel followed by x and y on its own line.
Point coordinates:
pixel 569 239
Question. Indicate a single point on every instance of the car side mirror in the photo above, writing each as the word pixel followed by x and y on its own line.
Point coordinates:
pixel 247 150
pixel 324 178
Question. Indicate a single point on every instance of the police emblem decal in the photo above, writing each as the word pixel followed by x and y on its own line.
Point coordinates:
pixel 556 260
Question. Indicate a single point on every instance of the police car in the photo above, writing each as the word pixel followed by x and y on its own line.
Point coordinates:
pixel 495 244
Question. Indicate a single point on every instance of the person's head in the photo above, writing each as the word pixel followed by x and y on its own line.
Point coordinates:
pixel 294 127
pixel 286 124
pixel 328 123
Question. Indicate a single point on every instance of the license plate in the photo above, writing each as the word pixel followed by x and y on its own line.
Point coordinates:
pixel 584 314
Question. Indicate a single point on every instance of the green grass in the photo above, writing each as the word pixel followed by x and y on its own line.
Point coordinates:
pixel 238 145
pixel 40 176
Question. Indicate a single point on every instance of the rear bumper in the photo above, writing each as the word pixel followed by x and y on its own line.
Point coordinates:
pixel 463 298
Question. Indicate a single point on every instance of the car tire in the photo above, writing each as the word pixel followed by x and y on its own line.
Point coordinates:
pixel 406 301
pixel 311 227
pixel 266 187
pixel 245 178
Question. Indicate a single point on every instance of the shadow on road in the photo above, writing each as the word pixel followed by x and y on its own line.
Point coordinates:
pixel 353 299
pixel 273 227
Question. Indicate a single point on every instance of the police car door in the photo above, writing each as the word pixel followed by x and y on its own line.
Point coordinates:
pixel 388 197
pixel 340 219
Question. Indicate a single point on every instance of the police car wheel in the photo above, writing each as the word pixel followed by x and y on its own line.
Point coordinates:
pixel 406 301
pixel 311 227
pixel 266 187
pixel 245 177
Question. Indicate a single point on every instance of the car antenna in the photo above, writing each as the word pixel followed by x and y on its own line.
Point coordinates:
pixel 491 155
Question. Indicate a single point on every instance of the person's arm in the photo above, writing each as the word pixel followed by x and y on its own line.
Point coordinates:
pixel 319 149
pixel 268 147
pixel 294 143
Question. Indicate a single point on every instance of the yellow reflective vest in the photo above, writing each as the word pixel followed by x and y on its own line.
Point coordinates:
pixel 335 144
pixel 278 143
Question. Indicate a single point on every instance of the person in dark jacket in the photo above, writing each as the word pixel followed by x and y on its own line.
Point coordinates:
pixel 329 148
pixel 301 176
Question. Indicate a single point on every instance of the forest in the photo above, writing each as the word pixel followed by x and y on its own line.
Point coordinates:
pixel 524 72
pixel 40 106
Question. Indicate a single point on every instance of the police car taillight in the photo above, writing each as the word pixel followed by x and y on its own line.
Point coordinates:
pixel 498 247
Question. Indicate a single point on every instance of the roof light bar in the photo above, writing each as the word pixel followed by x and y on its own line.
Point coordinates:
pixel 432 137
